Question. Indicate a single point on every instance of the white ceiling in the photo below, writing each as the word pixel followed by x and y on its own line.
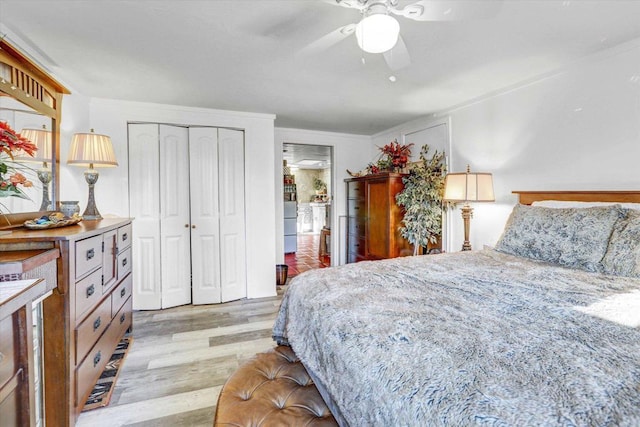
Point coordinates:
pixel 249 55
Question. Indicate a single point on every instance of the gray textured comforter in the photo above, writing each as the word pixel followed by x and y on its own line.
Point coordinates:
pixel 475 338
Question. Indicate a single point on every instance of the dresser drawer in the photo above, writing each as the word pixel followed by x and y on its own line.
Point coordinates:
pixel 121 294
pixel 356 208
pixel 88 293
pixel 7 344
pixel 355 190
pixel 122 320
pixel 88 255
pixel 124 263
pixel 92 327
pixel 124 237
pixel 356 226
pixel 356 245
pixel 90 369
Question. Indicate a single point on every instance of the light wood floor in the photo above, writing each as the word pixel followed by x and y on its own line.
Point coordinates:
pixel 179 360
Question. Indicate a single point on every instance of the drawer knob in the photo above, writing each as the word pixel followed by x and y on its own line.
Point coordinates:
pixel 96 324
pixel 96 359
pixel 90 254
pixel 122 318
pixel 91 290
pixel 124 262
pixel 124 237
pixel 123 292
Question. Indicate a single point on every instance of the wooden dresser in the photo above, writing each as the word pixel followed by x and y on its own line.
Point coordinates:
pixel 89 310
pixel 373 218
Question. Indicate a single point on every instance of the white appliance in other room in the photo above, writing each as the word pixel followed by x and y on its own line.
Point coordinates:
pixel 290 232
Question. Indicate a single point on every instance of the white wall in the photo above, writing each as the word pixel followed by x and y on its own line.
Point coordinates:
pixel 349 152
pixel 576 129
pixel 75 119
pixel 110 117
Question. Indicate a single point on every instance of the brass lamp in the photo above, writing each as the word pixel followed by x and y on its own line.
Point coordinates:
pixel 41 138
pixel 468 187
pixel 92 150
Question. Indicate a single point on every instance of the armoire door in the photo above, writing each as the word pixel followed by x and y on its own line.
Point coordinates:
pixel 377 234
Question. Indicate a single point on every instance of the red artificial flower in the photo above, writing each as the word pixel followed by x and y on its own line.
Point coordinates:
pixel 10 141
pixel 398 154
pixel 17 178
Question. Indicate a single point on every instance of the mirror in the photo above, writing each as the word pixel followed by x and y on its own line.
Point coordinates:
pixel 20 118
pixel 29 99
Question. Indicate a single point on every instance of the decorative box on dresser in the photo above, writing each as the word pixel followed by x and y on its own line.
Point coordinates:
pixel 89 310
pixel 373 218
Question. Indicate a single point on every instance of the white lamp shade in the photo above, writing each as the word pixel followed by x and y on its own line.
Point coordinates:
pixel 91 149
pixel 469 187
pixel 377 33
pixel 42 140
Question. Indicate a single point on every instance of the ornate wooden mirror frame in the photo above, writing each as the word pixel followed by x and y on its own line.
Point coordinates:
pixel 25 81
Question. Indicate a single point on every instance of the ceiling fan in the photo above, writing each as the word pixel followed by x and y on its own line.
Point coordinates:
pixel 379 30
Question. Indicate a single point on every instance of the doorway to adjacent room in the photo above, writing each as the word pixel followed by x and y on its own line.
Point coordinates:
pixel 308 194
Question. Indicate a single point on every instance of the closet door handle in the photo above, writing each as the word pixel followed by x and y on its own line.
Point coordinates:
pixel 193 226
pixel 186 226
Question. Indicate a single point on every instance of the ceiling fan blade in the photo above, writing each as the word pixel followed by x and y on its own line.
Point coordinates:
pixel 458 10
pixel 352 4
pixel 329 40
pixel 398 57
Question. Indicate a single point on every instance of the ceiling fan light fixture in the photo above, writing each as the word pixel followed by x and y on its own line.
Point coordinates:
pixel 377 33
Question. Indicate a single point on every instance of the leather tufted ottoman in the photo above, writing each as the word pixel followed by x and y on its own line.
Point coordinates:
pixel 272 389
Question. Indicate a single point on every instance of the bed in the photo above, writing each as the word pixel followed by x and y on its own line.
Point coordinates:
pixel 541 330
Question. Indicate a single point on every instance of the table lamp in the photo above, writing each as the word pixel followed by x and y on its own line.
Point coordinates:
pixel 92 150
pixel 42 140
pixel 468 187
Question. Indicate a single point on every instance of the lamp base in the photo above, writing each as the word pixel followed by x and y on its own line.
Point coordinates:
pixel 45 175
pixel 467 214
pixel 88 217
pixel 91 212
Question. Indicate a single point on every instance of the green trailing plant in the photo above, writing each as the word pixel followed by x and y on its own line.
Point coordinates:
pixel 319 185
pixel 422 201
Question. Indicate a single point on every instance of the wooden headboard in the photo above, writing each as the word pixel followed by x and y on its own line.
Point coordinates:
pixel 528 197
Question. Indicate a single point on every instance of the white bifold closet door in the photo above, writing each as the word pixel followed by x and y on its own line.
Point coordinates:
pixel 187 200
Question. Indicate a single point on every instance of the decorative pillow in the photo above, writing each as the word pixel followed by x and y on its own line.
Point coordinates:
pixel 572 237
pixel 623 254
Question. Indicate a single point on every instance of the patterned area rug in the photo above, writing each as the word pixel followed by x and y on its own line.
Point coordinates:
pixel 101 393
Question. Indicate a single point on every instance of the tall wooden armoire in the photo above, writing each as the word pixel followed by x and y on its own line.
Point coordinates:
pixel 373 218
